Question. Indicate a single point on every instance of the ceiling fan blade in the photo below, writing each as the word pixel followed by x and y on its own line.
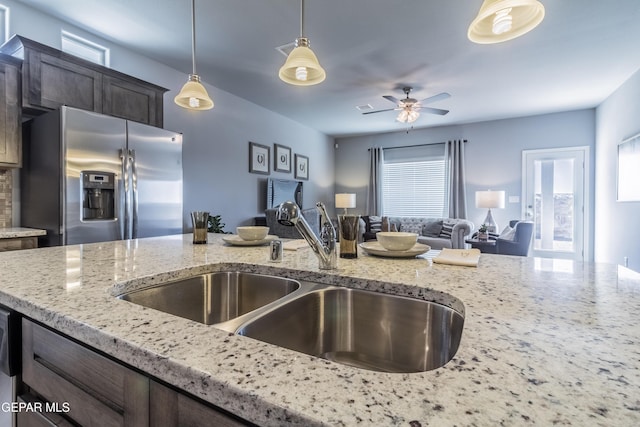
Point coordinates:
pixel 434 98
pixel 433 110
pixel 379 111
pixel 392 99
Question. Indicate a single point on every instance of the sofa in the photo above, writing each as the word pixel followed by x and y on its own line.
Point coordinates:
pixel 289 232
pixel 439 233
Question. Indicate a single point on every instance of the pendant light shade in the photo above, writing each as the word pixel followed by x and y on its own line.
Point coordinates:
pixel 302 67
pixel 502 20
pixel 193 95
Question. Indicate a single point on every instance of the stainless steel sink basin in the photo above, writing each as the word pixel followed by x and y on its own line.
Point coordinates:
pixel 214 297
pixel 365 329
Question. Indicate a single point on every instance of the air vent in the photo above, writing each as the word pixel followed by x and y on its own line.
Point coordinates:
pixel 365 107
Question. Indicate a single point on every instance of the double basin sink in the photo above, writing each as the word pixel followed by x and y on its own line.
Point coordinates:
pixel 365 329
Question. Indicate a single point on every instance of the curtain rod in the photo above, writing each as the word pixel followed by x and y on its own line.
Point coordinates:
pixel 416 145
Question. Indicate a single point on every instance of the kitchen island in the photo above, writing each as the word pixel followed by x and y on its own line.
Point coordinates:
pixel 544 342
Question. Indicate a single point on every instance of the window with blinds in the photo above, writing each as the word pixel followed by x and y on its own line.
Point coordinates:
pixel 414 181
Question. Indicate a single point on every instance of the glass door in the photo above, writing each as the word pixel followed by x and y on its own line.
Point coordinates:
pixel 554 184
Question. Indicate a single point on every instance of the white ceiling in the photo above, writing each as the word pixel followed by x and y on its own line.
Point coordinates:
pixel 582 52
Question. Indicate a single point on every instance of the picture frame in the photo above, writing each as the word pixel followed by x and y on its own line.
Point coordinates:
pixel 259 159
pixel 302 167
pixel 281 158
pixel 629 170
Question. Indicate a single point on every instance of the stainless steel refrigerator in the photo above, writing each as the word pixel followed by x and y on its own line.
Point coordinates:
pixel 88 177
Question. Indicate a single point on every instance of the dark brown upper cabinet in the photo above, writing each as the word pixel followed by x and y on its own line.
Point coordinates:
pixel 52 78
pixel 10 113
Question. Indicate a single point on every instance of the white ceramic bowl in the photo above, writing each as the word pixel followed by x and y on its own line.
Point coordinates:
pixel 252 232
pixel 396 240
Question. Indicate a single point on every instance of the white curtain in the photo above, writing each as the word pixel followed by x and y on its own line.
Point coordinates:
pixel 456 186
pixel 374 195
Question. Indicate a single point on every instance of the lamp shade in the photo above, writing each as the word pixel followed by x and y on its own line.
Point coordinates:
pixel 345 200
pixel 502 20
pixel 193 95
pixel 302 67
pixel 490 199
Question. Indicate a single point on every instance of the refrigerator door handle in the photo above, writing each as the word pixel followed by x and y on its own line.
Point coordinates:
pixel 134 193
pixel 124 196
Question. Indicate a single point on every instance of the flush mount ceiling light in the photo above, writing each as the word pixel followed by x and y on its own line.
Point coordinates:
pixel 193 95
pixel 302 67
pixel 502 20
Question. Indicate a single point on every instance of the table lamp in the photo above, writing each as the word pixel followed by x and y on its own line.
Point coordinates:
pixel 490 200
pixel 349 225
pixel 345 201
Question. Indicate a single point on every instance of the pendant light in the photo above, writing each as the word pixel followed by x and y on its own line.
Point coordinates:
pixel 302 67
pixel 502 20
pixel 193 95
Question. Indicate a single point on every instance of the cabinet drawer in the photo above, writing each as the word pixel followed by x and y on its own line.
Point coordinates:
pixel 97 390
pixel 29 418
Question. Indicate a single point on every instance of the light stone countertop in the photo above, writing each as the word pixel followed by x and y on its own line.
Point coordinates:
pixel 544 342
pixel 19 232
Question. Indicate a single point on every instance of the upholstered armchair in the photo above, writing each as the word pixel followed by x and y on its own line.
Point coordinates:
pixel 520 241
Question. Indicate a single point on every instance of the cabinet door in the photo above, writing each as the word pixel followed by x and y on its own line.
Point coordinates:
pixel 50 82
pixel 91 389
pixel 170 408
pixel 10 116
pixel 132 100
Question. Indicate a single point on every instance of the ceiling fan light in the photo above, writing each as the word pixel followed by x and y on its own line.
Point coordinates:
pixel 492 23
pixel 302 58
pixel 412 116
pixel 193 95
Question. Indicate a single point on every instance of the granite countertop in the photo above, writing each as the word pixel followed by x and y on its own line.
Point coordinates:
pixel 19 232
pixel 544 342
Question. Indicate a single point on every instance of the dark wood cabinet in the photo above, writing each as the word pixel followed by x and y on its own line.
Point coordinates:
pixel 96 390
pixel 86 388
pixel 49 82
pixel 51 78
pixel 132 101
pixel 10 113
pixel 171 408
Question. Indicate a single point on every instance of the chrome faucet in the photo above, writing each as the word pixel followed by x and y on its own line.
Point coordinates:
pixel 325 246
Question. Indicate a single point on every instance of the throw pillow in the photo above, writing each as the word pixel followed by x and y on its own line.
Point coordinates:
pixel 375 222
pixel 432 229
pixel 447 230
pixel 508 233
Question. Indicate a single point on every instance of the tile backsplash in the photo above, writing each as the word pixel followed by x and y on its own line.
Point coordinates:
pixel 5 197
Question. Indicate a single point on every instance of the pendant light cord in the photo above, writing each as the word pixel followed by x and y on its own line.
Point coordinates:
pixel 193 35
pixel 301 18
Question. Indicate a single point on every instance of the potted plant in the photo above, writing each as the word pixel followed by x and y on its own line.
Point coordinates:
pixel 483 232
pixel 216 225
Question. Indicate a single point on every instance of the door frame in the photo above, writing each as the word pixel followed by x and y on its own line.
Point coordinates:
pixel 586 202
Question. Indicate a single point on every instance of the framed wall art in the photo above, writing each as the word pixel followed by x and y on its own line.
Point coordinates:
pixel 302 167
pixel 259 158
pixel 629 170
pixel 281 158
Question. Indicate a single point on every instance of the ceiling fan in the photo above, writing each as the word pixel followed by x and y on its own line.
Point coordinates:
pixel 410 108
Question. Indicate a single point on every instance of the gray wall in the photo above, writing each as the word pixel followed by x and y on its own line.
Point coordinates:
pixel 617 228
pixel 493 155
pixel 216 142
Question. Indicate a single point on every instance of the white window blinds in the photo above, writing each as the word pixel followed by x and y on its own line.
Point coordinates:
pixel 413 181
